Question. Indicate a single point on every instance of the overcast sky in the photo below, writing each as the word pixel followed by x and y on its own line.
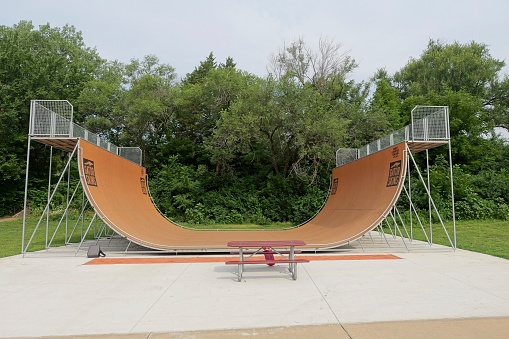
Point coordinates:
pixel 182 33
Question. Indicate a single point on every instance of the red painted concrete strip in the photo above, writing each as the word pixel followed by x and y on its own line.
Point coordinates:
pixel 350 257
pixel 167 260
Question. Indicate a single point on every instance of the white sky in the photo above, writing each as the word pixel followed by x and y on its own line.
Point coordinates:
pixel 182 33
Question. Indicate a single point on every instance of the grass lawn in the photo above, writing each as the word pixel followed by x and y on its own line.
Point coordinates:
pixel 483 236
pixel 11 233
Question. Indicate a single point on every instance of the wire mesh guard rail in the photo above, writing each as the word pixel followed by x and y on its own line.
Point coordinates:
pixel 54 119
pixel 428 124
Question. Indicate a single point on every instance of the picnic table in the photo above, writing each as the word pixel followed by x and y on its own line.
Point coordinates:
pixel 284 249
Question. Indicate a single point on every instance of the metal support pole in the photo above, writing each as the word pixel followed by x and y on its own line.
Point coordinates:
pixel 25 200
pixel 112 235
pixel 395 234
pixel 127 248
pixel 47 206
pixel 83 206
pixel 429 198
pixel 82 216
pixel 68 203
pixel 389 226
pixel 380 227
pixel 63 216
pixel 84 236
pixel 49 194
pixel 452 196
pixel 412 208
pixel 397 229
pixel 410 197
pixel 360 243
pixel 432 202
pixel 371 237
pixel 100 233
pixel 401 221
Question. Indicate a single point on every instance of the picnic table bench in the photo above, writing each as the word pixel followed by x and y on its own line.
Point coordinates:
pixel 268 248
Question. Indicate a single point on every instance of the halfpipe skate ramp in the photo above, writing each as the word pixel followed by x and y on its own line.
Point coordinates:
pixel 361 195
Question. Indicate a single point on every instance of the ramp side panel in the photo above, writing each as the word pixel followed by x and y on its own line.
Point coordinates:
pixel 362 194
pixel 366 191
pixel 114 187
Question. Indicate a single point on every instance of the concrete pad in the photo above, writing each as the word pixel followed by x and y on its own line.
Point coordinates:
pixel 45 295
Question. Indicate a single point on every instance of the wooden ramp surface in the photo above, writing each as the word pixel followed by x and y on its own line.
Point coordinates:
pixel 362 194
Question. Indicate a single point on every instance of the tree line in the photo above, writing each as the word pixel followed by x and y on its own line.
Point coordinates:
pixel 222 145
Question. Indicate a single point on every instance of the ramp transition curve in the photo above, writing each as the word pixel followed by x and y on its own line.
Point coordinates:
pixel 361 195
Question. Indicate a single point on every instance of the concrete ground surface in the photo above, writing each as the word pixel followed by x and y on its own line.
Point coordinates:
pixel 437 293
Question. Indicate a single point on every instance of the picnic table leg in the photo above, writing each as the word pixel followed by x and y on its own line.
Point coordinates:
pixel 293 266
pixel 241 266
pixel 292 257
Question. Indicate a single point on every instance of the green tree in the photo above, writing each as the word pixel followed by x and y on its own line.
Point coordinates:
pixel 131 104
pixel 375 116
pixel 386 98
pixel 466 78
pixel 204 93
pixel 290 124
pixel 44 63
pixel 98 107
pixel 466 69
pixel 326 69
pixel 296 118
pixel 201 71
pixel 497 102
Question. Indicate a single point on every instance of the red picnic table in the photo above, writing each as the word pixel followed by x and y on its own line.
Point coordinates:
pixel 284 249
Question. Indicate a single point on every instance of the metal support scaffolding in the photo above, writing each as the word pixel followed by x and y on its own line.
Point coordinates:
pixel 432 208
pixel 429 128
pixel 46 211
pixel 51 123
